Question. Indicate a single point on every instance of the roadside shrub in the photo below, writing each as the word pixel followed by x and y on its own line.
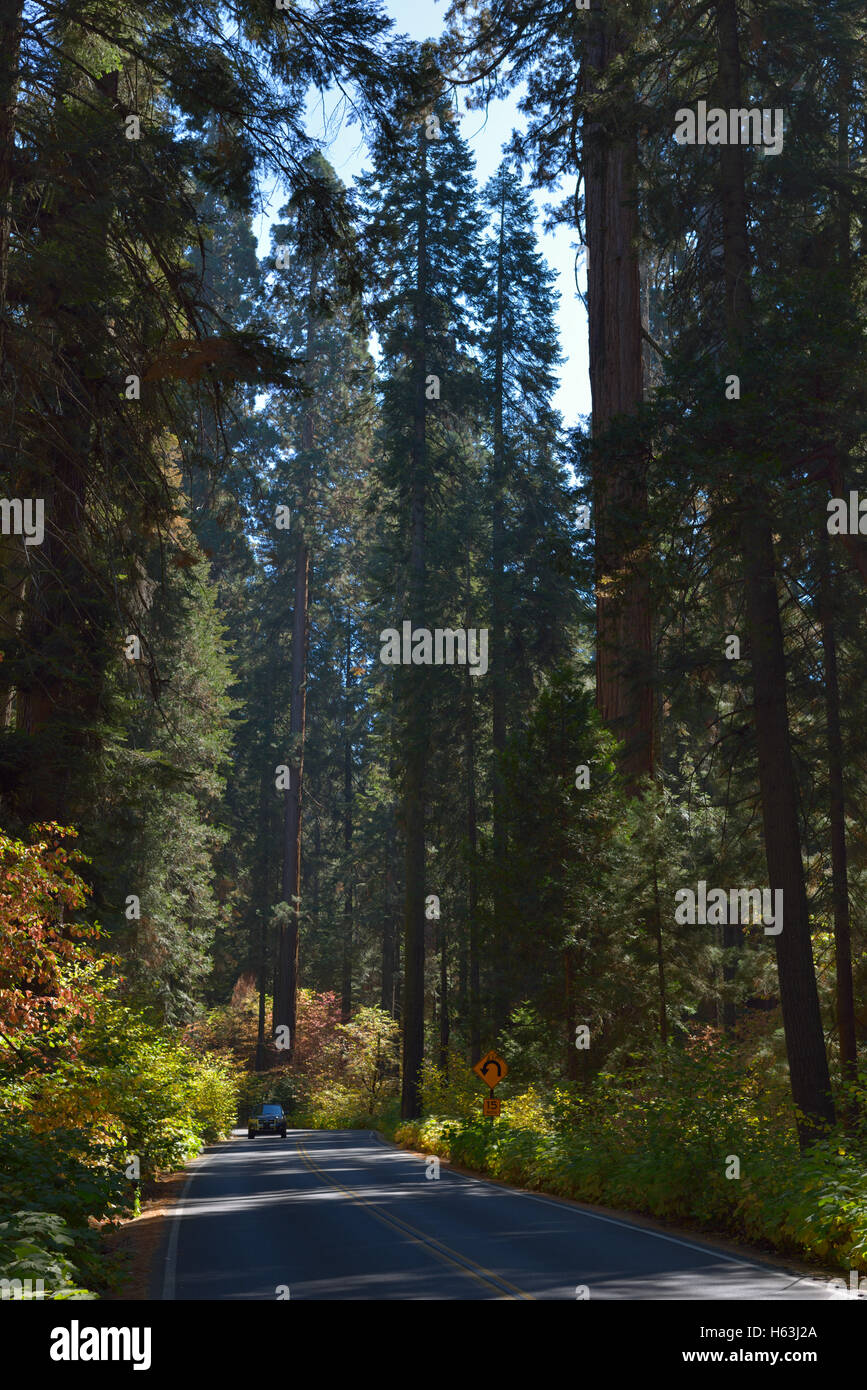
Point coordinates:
pixel 31 1250
pixel 68 1172
pixel 369 1045
pixel 213 1097
pixel 455 1091
pixel 336 1106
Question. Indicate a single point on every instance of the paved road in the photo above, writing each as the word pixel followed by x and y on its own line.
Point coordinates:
pixel 341 1215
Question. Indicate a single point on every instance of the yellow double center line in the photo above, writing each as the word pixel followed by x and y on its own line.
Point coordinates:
pixel 500 1286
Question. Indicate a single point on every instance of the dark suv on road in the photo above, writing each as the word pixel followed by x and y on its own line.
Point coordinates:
pixel 269 1119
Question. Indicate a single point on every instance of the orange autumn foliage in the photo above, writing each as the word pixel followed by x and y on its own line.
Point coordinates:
pixel 46 967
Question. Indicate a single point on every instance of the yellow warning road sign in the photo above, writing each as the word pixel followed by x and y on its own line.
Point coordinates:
pixel 491 1107
pixel 491 1068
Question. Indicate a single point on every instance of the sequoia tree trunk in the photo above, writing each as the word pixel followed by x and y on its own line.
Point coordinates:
pixel 416 711
pixel 286 1006
pixel 802 1020
pixel 624 689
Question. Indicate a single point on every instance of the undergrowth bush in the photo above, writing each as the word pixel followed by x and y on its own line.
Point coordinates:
pixel 32 1258
pixel 69 1130
pixel 661 1144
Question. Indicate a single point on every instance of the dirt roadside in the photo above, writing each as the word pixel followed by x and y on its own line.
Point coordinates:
pixel 132 1247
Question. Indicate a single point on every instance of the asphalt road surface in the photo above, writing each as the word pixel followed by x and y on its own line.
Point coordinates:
pixel 342 1215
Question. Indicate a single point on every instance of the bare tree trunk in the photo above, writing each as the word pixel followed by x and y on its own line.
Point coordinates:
pixel 463 1006
pixel 472 869
pixel 573 1061
pixel 286 1007
pixel 346 974
pixel 259 1064
pixel 274 999
pixel 14 585
pixel 499 621
pixel 624 653
pixel 417 735
pixel 11 13
pixel 14 574
pixel 390 926
pixel 391 923
pixel 660 959
pixel 266 792
pixel 66 624
pixel 317 860
pixel 287 969
pixel 839 876
pixel 802 1020
pixel 444 998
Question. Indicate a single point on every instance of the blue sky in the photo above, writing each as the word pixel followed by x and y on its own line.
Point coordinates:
pixel 486 134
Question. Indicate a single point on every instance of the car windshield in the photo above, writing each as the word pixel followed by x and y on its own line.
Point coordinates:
pixel 271 1110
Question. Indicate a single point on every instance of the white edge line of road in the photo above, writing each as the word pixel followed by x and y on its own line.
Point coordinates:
pixel 579 1210
pixel 171 1260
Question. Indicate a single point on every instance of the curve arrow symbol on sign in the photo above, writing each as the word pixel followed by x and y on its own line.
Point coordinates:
pixel 500 1065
